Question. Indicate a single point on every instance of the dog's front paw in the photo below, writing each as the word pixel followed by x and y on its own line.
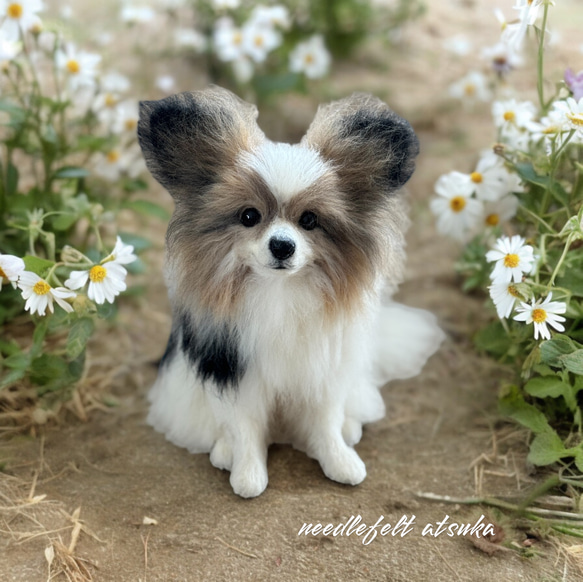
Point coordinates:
pixel 249 479
pixel 344 466
pixel 222 454
pixel 351 431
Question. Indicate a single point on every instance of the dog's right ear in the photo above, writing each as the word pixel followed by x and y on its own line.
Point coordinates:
pixel 187 139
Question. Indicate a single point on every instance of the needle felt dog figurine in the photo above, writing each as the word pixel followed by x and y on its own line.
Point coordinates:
pixel 281 260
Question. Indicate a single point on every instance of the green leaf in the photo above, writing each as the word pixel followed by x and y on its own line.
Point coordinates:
pixel 38 337
pixel 48 368
pixel 546 448
pixel 78 337
pixel 148 208
pixel 573 362
pixel 37 265
pixel 572 280
pixel 12 376
pixel 18 361
pixel 549 386
pixel 493 339
pixel 134 185
pixel 552 350
pixel 63 221
pixel 512 404
pixel 68 172
pixel 528 174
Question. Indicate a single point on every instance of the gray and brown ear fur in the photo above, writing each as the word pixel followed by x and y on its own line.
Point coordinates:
pixel 189 138
pixel 372 148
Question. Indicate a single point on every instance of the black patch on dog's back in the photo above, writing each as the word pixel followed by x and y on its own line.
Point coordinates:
pixel 213 349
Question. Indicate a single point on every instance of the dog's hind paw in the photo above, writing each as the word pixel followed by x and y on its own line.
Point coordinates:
pixel 221 455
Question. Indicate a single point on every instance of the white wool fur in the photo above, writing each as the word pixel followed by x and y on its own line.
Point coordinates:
pixel 317 379
pixel 287 169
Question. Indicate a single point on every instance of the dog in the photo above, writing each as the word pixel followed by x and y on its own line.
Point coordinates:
pixel 280 264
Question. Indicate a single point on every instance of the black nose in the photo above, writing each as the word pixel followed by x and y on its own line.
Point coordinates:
pixel 282 248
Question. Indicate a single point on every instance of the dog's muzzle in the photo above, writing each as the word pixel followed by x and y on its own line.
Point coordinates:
pixel 281 248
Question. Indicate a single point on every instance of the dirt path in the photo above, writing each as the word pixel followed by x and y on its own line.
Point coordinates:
pixel 118 470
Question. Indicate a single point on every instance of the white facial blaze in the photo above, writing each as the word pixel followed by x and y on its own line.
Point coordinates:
pixel 287 169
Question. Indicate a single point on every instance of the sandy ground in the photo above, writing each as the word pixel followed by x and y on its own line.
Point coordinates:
pixel 441 434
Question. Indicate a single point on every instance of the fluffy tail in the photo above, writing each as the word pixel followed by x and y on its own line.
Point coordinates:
pixel 407 338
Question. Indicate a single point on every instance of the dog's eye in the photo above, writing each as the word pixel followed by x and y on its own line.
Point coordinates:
pixel 250 217
pixel 308 220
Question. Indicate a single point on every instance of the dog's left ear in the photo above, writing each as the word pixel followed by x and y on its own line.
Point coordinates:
pixel 189 138
pixel 371 148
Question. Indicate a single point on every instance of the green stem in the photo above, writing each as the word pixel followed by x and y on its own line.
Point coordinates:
pixel 558 265
pixel 540 62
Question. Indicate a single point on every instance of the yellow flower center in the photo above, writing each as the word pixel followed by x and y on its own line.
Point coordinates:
pixel 492 219
pixel 258 41
pixel 112 156
pixel 73 66
pixel 550 129
pixel 457 203
pixel 3 275
pixel 15 10
pixel 511 261
pixel 130 124
pixel 513 291
pixel 476 177
pixel 309 59
pixel 41 287
pixel 110 100
pixel 97 274
pixel 509 116
pixel 470 90
pixel 539 315
pixel 237 38
pixel 576 118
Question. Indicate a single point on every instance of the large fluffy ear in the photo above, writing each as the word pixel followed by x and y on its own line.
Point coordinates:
pixel 188 139
pixel 371 147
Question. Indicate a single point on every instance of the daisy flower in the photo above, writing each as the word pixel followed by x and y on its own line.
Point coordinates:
pixel 10 269
pixel 225 4
pixel 457 212
pixel 80 67
pixel 512 113
pixel 459 45
pixel 106 282
pixel 512 257
pixel 121 254
pixel 258 40
pixel 190 38
pixel 227 40
pixel 243 69
pixel 472 87
pixel 9 49
pixel 119 161
pixel 19 15
pixel 542 314
pixel 271 16
pixel 503 57
pixel 490 177
pixel 572 112
pixel 137 14
pixel 504 296
pixel 40 295
pixel 126 117
pixel 311 58
pixel 499 211
pixel 165 83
